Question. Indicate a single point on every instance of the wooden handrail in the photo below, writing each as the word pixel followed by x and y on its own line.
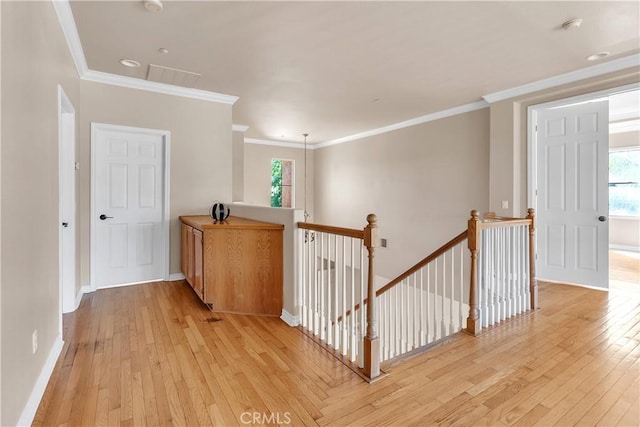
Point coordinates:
pixel 347 232
pixel 435 254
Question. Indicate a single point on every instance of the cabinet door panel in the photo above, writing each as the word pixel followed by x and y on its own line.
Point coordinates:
pixel 184 249
pixel 190 256
pixel 198 279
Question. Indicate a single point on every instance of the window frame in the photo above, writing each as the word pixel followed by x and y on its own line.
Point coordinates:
pixel 293 181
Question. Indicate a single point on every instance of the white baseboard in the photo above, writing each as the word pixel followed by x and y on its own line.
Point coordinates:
pixel 81 292
pixel 595 288
pixel 625 248
pixel 40 386
pixel 176 276
pixel 290 319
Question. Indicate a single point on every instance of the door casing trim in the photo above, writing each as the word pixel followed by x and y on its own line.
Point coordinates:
pixel 65 107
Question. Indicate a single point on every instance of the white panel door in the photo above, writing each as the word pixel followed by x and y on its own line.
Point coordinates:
pixel 572 194
pixel 128 206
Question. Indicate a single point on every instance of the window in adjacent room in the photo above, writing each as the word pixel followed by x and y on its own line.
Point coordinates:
pixel 624 182
pixel 282 183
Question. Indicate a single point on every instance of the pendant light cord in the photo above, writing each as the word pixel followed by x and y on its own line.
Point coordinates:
pixel 306 214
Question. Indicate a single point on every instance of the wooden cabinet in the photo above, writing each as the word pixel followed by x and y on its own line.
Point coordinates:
pixel 234 266
pixel 191 257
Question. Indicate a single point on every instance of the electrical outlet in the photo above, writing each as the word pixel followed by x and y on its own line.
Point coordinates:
pixel 34 341
pixel 383 243
pixel 505 204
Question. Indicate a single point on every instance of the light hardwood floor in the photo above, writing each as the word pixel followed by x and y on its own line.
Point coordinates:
pixel 154 355
pixel 624 271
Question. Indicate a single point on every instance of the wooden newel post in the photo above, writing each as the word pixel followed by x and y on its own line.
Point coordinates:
pixel 533 282
pixel 473 238
pixel 371 341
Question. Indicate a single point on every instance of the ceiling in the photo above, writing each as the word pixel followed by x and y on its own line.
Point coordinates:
pixel 334 69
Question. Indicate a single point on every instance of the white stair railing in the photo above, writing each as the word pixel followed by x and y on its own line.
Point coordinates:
pixel 503 281
pixel 333 286
pixel 427 303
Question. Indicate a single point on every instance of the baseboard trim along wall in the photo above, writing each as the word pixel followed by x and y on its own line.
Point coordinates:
pixel 29 411
pixel 290 319
pixel 176 276
pixel 624 248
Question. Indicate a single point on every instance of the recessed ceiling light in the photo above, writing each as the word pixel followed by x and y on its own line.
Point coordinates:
pixel 572 24
pixel 597 56
pixel 163 50
pixel 130 63
pixel 153 5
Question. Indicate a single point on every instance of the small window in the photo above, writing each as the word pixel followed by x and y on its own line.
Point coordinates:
pixel 281 183
pixel 624 182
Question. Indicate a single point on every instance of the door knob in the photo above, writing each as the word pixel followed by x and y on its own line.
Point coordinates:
pixel 602 218
pixel 103 217
pixel 65 224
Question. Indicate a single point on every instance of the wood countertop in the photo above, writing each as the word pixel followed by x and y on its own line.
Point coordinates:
pixel 202 222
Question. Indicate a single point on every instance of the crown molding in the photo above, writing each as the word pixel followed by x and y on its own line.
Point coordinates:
pixel 560 79
pixel 286 144
pixel 239 128
pixel 133 83
pixel 70 31
pixel 478 105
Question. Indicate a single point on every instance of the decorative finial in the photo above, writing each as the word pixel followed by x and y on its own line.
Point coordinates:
pixel 475 214
pixel 372 219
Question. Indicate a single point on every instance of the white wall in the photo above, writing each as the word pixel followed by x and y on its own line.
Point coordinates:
pixel 238 166
pixel 35 59
pixel 0 207
pixel 421 182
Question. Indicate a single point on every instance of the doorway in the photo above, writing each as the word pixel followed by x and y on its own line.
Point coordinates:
pixel 568 186
pixel 69 295
pixel 129 205
pixel 624 191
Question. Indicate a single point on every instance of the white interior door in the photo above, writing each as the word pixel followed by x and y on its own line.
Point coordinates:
pixel 129 234
pixel 572 193
pixel 67 200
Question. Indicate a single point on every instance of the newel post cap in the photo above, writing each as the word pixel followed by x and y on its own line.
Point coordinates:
pixel 371 232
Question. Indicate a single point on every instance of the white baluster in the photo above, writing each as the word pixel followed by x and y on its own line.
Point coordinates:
pixel 461 283
pixel 422 340
pixel 429 310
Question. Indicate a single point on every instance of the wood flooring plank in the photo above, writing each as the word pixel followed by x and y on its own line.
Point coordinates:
pixel 153 354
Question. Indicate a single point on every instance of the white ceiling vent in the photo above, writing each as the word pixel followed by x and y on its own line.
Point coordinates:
pixel 172 76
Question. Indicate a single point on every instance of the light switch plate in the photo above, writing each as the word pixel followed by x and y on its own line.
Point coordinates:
pixel 505 204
